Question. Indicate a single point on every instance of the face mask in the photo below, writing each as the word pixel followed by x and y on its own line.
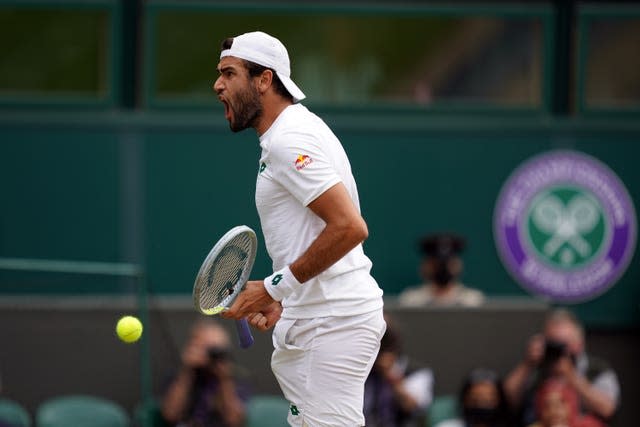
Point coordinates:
pixel 479 415
pixel 442 275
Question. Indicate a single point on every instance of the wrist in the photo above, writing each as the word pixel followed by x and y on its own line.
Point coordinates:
pixel 226 381
pixel 281 284
pixel 529 364
pixel 187 374
pixel 575 379
pixel 394 380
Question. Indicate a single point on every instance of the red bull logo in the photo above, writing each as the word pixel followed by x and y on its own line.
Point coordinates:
pixel 302 161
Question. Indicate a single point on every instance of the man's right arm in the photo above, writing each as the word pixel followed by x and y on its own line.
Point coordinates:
pixel 598 398
pixel 514 382
pixel 176 398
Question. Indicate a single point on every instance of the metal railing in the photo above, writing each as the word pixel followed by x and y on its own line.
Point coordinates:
pixel 90 268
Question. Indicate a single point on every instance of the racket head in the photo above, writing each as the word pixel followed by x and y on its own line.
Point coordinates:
pixel 225 270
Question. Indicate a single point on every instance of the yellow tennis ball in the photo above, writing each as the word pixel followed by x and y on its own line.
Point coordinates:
pixel 129 329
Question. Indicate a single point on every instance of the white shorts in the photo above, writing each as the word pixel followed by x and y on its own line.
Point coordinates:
pixel 321 365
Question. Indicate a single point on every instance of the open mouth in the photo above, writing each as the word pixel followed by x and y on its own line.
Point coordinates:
pixel 227 109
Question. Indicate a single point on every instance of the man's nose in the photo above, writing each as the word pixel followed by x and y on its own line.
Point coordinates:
pixel 217 85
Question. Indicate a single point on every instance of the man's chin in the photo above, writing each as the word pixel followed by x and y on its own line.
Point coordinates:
pixel 236 128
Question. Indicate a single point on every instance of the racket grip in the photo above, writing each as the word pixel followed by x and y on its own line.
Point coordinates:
pixel 244 333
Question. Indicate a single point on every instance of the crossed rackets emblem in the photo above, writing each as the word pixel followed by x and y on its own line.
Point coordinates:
pixel 566 223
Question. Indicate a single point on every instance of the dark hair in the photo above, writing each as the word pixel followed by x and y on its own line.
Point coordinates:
pixel 257 69
pixel 390 341
pixel 482 375
pixel 442 245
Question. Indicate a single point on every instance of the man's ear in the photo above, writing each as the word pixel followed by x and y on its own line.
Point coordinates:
pixel 266 78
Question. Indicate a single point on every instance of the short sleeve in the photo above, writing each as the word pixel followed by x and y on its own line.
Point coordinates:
pixel 420 386
pixel 607 382
pixel 303 166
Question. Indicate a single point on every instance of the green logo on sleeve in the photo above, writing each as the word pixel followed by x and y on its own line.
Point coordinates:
pixel 263 166
pixel 276 279
pixel 294 410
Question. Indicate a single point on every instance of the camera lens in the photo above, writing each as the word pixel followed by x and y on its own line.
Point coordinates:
pixel 217 353
pixel 553 350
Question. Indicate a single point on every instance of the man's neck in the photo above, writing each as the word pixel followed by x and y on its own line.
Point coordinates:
pixel 271 109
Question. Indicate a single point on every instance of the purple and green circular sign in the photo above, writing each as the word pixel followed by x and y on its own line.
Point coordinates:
pixel 565 226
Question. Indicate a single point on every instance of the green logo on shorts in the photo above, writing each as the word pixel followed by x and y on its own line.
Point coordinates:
pixel 263 166
pixel 566 226
pixel 276 279
pixel 294 410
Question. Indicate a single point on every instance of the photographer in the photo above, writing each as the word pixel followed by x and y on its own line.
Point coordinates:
pixel 397 392
pixel 440 269
pixel 205 392
pixel 559 353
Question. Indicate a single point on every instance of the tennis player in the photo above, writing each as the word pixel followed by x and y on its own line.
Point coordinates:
pixel 325 305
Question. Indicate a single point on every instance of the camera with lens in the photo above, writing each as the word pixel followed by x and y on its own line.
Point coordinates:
pixel 217 354
pixel 554 350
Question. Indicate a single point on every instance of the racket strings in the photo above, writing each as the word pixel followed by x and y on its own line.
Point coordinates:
pixel 223 271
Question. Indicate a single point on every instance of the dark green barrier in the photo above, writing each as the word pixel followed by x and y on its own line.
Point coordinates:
pixel 161 189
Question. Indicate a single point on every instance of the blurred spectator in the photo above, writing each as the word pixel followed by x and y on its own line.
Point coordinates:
pixel 440 268
pixel 559 353
pixel 482 402
pixel 556 405
pixel 396 393
pixel 205 391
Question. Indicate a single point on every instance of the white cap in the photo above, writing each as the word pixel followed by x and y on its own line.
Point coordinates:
pixel 267 51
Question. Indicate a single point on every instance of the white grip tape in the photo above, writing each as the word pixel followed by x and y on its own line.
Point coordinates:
pixel 281 284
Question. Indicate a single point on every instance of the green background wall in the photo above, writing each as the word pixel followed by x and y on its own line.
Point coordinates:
pixel 161 188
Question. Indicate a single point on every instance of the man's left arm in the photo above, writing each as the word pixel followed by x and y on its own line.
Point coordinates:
pixel 595 398
pixel 344 230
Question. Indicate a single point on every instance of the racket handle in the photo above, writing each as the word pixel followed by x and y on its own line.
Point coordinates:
pixel 244 333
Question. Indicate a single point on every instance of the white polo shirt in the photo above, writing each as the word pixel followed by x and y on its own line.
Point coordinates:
pixel 301 159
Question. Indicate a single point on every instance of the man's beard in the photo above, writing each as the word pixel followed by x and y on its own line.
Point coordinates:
pixel 249 110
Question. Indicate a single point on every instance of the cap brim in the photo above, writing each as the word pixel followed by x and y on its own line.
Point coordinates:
pixel 292 88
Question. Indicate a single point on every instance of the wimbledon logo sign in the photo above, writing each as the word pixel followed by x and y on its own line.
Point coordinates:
pixel 565 226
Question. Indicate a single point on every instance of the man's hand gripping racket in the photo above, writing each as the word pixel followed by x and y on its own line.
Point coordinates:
pixel 224 273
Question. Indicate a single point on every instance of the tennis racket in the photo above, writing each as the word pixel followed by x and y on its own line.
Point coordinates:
pixel 223 274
